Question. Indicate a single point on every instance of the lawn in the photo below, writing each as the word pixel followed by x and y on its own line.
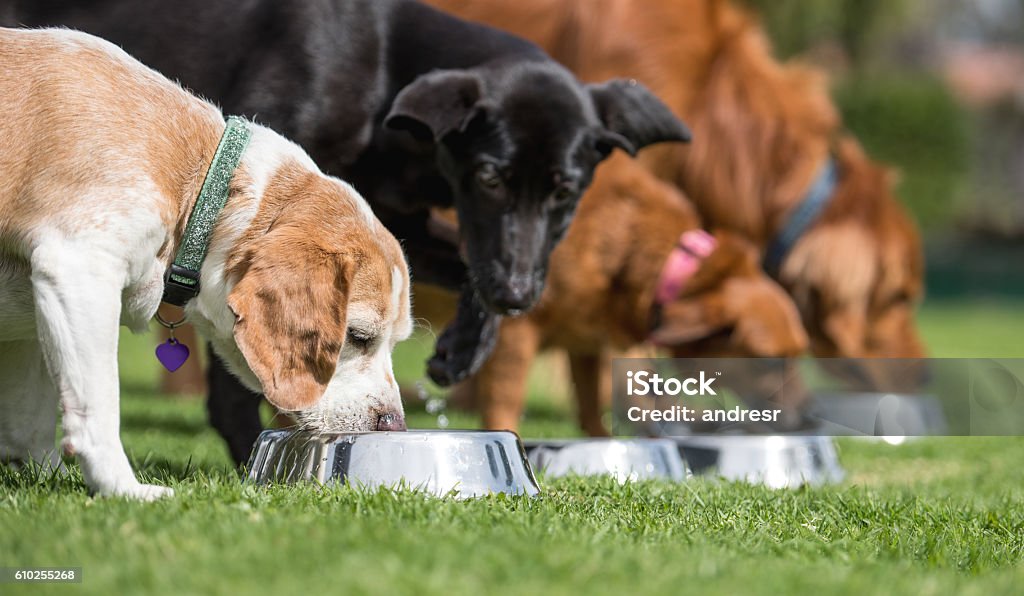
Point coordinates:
pixel 931 516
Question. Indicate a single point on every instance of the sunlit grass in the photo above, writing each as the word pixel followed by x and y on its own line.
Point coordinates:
pixel 931 516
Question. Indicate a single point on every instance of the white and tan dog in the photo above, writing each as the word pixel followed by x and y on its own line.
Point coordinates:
pixel 303 292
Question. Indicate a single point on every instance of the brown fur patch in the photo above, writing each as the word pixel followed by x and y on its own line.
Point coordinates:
pixel 308 255
pixel 65 98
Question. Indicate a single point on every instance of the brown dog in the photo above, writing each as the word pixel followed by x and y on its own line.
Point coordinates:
pixel 607 290
pixel 762 131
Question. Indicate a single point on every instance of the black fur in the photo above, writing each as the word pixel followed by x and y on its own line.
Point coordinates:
pixel 417 109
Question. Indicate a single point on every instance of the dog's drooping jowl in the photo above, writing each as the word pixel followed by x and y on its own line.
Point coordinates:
pixel 417 109
pixel 104 176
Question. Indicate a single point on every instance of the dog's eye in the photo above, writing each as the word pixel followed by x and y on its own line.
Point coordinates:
pixel 564 193
pixel 359 339
pixel 487 175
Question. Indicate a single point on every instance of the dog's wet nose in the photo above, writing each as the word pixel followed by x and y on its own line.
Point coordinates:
pixel 391 421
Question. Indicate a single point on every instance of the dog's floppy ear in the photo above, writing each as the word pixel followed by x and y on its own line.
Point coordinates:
pixel 436 104
pixel 767 321
pixel 684 321
pixel 633 117
pixel 290 322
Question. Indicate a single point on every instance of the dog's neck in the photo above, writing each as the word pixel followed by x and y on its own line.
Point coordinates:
pixel 264 155
pixel 657 226
pixel 785 111
pixel 184 145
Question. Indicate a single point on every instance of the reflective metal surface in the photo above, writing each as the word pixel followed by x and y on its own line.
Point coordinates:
pixel 462 464
pixel 776 461
pixel 624 459
pixel 877 414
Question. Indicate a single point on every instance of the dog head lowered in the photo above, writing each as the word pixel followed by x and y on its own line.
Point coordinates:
pixel 316 293
pixel 731 308
pixel 518 143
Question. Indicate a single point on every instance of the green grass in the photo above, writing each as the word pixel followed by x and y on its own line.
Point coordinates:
pixel 984 329
pixel 934 516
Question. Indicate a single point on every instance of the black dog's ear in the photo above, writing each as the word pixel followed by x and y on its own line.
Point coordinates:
pixel 436 104
pixel 633 117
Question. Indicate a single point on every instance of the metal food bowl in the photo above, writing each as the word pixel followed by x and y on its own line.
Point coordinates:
pixel 461 464
pixel 878 414
pixel 624 459
pixel 776 461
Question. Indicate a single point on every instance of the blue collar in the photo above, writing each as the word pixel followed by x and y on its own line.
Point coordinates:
pixel 805 214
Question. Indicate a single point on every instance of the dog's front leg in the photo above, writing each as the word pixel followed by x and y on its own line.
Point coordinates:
pixel 466 343
pixel 77 306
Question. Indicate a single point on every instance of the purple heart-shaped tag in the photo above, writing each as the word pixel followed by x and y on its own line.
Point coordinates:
pixel 172 354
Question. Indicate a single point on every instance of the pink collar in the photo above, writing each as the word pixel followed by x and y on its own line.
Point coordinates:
pixel 693 247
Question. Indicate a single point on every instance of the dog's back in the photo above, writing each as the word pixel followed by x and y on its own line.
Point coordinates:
pixel 86 114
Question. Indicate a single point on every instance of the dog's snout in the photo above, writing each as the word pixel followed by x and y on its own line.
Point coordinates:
pixel 391 421
pixel 515 295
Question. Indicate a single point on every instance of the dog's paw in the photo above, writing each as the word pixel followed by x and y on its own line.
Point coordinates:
pixel 459 355
pixel 143 492
pixel 446 369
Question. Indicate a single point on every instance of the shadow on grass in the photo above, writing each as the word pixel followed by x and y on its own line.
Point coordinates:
pixel 151 469
pixel 141 420
pixel 156 468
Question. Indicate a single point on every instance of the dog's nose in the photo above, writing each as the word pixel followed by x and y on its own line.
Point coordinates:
pixel 391 421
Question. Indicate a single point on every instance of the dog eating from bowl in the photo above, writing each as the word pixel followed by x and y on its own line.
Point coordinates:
pixel 301 290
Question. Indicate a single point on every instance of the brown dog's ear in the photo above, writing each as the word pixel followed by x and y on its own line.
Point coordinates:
pixel 436 104
pixel 845 327
pixel 291 323
pixel 731 292
pixel 767 323
pixel 684 321
pixel 633 117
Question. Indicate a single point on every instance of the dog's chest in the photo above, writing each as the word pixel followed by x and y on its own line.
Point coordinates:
pixel 145 285
pixel 135 247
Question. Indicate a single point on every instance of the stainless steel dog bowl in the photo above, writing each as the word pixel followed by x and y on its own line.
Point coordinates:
pixel 776 461
pixel 624 459
pixel 877 414
pixel 462 464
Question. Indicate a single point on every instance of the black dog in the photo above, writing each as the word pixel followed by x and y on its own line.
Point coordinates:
pixel 417 109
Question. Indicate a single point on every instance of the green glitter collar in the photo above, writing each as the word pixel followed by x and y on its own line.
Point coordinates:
pixel 181 283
